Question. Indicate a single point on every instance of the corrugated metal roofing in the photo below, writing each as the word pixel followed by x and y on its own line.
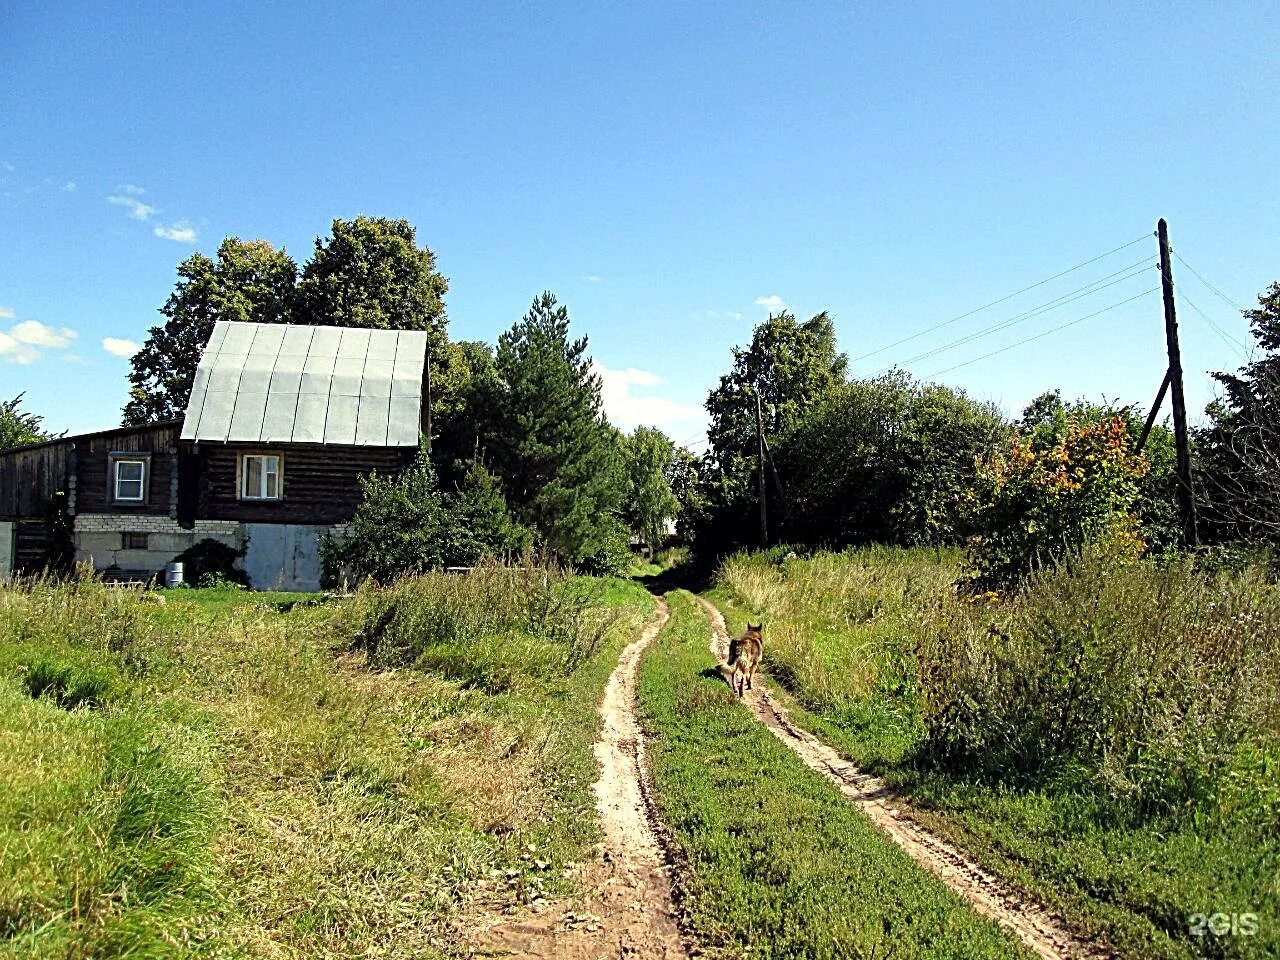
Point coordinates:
pixel 276 383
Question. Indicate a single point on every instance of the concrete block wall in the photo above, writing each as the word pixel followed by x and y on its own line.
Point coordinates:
pixel 99 538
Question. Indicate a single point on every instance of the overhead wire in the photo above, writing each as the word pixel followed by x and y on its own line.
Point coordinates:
pixel 993 303
pixel 1043 334
pixel 1089 289
pixel 1226 337
pixel 1196 273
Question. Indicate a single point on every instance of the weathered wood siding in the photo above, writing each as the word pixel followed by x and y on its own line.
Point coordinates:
pixel 29 477
pixel 31 547
pixel 321 483
pixel 94 485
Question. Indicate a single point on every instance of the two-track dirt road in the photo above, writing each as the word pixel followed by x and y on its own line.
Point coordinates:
pixel 626 909
pixel 1042 932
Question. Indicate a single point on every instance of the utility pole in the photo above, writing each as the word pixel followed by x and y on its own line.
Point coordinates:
pixel 1186 495
pixel 764 510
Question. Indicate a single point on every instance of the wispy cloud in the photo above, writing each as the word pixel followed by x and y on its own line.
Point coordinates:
pixel 118 347
pixel 69 186
pixel 182 232
pixel 626 410
pixel 6 313
pixel 137 209
pixel 771 302
pixel 722 314
pixel 593 278
pixel 130 189
pixel 23 342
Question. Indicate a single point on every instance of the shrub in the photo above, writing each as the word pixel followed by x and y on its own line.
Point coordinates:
pixel 1049 490
pixel 405 525
pixel 212 563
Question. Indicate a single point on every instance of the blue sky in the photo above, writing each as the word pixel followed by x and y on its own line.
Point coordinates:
pixel 668 170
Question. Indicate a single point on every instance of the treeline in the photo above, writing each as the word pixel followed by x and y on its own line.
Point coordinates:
pixel 521 455
pixel 892 460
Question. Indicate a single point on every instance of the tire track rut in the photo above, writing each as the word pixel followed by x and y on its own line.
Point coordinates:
pixel 1039 929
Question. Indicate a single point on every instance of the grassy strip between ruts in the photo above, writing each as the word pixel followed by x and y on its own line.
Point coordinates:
pixel 839 628
pixel 215 776
pixel 777 862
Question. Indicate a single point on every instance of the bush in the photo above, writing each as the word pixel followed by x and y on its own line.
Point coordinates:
pixel 405 525
pixel 1051 489
pixel 212 563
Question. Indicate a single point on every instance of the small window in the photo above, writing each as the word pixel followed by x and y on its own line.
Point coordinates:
pixel 133 541
pixel 130 481
pixel 260 477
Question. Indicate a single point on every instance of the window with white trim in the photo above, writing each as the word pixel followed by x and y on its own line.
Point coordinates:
pixel 260 477
pixel 130 480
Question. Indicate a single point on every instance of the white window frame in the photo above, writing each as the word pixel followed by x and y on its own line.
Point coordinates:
pixel 260 495
pixel 141 481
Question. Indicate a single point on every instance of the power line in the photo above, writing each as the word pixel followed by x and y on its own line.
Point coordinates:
pixel 1226 337
pixel 1039 283
pixel 1078 294
pixel 1046 333
pixel 1196 274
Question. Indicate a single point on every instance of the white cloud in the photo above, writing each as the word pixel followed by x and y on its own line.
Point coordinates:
pixel 593 278
pixel 131 190
pixel 118 347
pixel 22 342
pixel 626 410
pixel 36 334
pixel 771 302
pixel 137 209
pixel 6 313
pixel 182 232
pixel 15 352
pixel 69 186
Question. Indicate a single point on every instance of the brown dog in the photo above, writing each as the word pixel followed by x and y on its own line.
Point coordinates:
pixel 744 656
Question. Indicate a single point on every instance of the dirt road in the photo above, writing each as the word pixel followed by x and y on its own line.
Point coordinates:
pixel 626 909
pixel 1037 928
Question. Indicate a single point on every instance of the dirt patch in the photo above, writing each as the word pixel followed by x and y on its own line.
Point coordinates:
pixel 626 909
pixel 1040 930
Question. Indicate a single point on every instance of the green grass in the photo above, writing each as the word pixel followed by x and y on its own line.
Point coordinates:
pixel 776 862
pixel 221 775
pixel 845 635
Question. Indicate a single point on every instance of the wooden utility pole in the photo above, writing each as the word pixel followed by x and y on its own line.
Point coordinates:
pixel 1186 494
pixel 764 510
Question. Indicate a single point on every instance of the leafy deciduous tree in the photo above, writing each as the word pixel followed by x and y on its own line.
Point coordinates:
pixel 18 426
pixel 650 503
pixel 249 281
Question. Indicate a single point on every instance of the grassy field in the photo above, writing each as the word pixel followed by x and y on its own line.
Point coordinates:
pixel 1109 738
pixel 246 774
pixel 777 863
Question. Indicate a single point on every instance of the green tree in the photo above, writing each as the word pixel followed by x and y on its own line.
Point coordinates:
pixel 464 389
pixel 19 427
pixel 1240 451
pixel 559 460
pixel 249 281
pixel 370 272
pixel 790 365
pixel 650 503
pixel 888 460
pixel 405 525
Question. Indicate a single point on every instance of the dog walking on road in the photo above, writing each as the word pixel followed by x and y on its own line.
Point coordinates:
pixel 744 656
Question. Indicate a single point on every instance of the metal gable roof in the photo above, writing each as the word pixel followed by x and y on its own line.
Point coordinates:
pixel 278 383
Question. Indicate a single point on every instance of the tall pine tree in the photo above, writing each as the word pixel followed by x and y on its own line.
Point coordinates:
pixel 559 460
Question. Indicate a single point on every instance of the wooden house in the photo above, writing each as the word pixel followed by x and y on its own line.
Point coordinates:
pixel 281 423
